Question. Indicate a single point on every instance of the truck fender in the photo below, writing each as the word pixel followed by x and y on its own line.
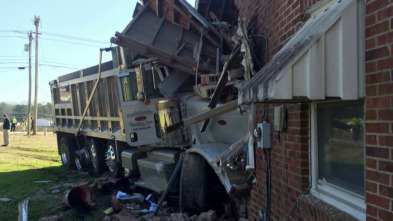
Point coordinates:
pixel 210 152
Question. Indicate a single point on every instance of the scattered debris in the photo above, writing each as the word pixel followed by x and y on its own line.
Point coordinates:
pixel 42 181
pixel 5 200
pixel 23 210
pixel 54 191
pixel 78 198
pixel 108 211
pixel 74 174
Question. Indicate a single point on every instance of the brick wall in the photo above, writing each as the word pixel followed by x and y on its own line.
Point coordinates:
pixel 379 109
pixel 289 165
pixel 278 20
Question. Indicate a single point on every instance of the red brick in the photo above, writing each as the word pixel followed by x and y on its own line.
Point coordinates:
pixel 371 90
pixel 384 39
pixel 379 77
pixel 371 187
pixel 386 141
pixel 386 63
pixel 382 102
pixel 371 139
pixel 385 13
pixel 375 5
pixel 377 53
pixel 385 215
pixel 371 163
pixel 378 152
pixel 371 115
pixel 371 67
pixel 385 89
pixel 386 191
pixel 372 211
pixel 370 20
pixel 370 43
pixel 369 218
pixel 385 166
pixel 377 200
pixel 385 114
pixel 377 177
pixel 377 29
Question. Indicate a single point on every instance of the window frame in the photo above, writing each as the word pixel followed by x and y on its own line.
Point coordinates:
pixel 352 203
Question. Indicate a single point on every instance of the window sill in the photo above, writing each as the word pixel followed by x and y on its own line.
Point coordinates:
pixel 313 208
pixel 346 203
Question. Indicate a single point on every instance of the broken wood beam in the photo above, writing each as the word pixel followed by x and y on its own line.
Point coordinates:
pixel 221 85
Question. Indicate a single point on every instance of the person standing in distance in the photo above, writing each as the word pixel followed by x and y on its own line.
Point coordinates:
pixel 6 130
pixel 13 124
pixel 23 124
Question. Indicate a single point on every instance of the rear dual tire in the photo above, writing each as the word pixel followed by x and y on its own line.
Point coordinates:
pixel 91 157
pixel 67 152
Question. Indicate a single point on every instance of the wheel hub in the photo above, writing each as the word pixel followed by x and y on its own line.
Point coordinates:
pixel 110 158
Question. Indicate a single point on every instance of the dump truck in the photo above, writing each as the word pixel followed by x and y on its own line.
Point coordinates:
pixel 107 118
pixel 163 103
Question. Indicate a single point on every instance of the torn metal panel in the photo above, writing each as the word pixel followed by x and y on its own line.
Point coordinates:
pixel 152 36
pixel 200 18
pixel 172 83
pixel 321 60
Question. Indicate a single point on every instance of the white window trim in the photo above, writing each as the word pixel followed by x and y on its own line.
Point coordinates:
pixel 349 203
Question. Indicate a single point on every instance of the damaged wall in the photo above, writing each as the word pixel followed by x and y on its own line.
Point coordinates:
pixel 279 21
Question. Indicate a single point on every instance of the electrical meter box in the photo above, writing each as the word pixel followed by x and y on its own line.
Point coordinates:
pixel 262 133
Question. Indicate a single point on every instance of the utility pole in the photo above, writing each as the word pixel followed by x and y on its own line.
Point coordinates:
pixel 29 105
pixel 36 23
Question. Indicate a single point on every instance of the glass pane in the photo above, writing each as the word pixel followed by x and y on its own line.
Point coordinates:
pixel 129 87
pixel 152 80
pixel 341 145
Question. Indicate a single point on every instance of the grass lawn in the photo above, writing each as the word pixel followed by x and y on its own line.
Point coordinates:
pixel 27 160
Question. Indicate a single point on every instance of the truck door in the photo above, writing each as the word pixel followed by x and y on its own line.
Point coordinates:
pixel 139 95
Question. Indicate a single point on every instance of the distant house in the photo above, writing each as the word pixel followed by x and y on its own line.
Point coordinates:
pixel 44 123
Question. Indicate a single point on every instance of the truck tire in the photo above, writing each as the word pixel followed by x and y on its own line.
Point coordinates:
pixel 193 184
pixel 114 167
pixel 82 159
pixel 97 156
pixel 67 152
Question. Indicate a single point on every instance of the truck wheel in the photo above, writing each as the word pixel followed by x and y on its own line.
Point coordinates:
pixel 82 159
pixel 114 167
pixel 97 157
pixel 67 151
pixel 193 184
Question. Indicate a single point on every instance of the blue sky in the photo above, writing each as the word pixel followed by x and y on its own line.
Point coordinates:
pixel 72 33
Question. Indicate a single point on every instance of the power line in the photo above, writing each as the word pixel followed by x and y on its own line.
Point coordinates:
pixel 57 35
pixel 74 38
pixel 70 42
pixel 46 65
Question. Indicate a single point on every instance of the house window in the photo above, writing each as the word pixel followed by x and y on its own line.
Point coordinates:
pixel 338 154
